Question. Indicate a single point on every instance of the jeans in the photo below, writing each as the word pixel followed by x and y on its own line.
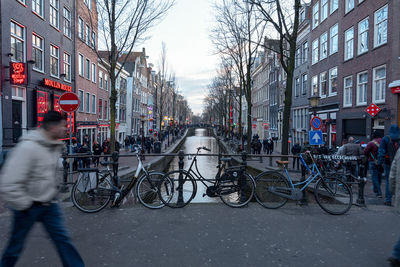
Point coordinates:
pixel 52 220
pixel 396 250
pixel 296 160
pixel 376 177
pixel 388 194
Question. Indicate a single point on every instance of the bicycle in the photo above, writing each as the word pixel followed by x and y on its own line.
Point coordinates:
pixel 233 185
pixel 95 189
pixel 332 194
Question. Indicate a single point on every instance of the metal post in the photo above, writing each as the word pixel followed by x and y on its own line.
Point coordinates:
pixel 70 147
pixel 270 161
pixel 362 179
pixel 115 158
pixel 180 186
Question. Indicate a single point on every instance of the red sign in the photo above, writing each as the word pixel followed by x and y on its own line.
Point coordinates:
pixel 17 73
pixel 254 125
pixel 69 102
pixel 316 123
pixel 57 85
pixel 395 90
pixel 372 110
pixel 266 126
pixel 57 107
pixel 42 106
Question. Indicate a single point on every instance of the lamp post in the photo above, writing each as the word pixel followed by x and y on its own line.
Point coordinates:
pixel 142 117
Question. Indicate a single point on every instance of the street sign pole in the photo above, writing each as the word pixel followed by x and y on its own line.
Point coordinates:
pixel 70 146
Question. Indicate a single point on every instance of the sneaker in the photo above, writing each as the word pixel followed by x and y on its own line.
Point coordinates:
pixel 378 196
pixel 387 203
pixel 394 262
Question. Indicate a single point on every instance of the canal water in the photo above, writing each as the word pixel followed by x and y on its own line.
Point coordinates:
pixel 206 164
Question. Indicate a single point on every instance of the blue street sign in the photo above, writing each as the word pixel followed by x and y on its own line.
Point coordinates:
pixel 316 123
pixel 315 138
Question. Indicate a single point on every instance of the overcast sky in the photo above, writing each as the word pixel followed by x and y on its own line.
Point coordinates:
pixel 185 30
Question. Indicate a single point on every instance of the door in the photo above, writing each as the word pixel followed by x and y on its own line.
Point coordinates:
pixel 16 120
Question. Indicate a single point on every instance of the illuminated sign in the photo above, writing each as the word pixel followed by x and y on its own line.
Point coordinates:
pixel 58 108
pixel 17 73
pixel 57 85
pixel 42 106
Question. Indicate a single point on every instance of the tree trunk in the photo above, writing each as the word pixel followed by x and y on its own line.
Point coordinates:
pixel 113 101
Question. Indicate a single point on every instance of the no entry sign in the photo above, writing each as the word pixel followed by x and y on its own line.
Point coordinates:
pixel 69 102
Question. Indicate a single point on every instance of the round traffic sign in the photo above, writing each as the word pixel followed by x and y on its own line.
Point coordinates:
pixel 316 123
pixel 69 102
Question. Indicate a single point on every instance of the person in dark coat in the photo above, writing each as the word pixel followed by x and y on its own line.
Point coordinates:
pixel 106 148
pixel 126 143
pixel 296 149
pixel 265 146
pixel 96 151
pixel 85 151
pixel 271 146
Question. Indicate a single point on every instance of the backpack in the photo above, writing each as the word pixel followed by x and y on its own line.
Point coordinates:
pixel 391 150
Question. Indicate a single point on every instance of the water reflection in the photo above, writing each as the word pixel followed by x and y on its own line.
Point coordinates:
pixel 207 165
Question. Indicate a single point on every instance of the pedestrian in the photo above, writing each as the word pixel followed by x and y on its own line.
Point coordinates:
pixel 371 152
pixel 117 146
pixel 386 152
pixel 28 186
pixel 106 149
pixel 97 152
pixel 126 143
pixel 296 149
pixel 84 150
pixel 394 182
pixel 344 142
pixel 265 146
pixel 258 146
pixel 271 146
pixel 352 149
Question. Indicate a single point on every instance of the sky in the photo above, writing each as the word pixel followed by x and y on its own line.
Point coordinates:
pixel 185 31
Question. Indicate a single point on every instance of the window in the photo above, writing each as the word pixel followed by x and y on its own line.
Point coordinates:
pixel 363 36
pixel 81 67
pixel 334 5
pixel 100 79
pixel 67 67
pixel 93 39
pixel 324 45
pixel 297 58
pixel 379 85
pixel 305 52
pixel 302 15
pixel 380 26
pixel 93 104
pixel 100 112
pixel 106 82
pixel 67 22
pixel 333 45
pixel 87 69
pixel 17 42
pixel 304 81
pixel 348 43
pixel 348 90
pixel 81 29
pixel 360 1
pixel 315 85
pixel 315 20
pixel 37 52
pixel 94 73
pixel 22 1
pixel 88 3
pixel 37 7
pixel 54 20
pixel 54 61
pixel 80 95
pixel 349 5
pixel 333 81
pixel 362 84
pixel 315 51
pixel 297 86
pixel 105 110
pixel 322 85
pixel 88 32
pixel 324 9
pixel 87 103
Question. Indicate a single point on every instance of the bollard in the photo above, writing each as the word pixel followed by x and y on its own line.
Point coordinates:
pixel 64 187
pixel 115 158
pixel 244 158
pixel 270 161
pixel 362 179
pixel 180 186
pixel 261 159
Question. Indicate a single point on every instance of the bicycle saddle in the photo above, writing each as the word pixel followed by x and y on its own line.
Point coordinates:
pixel 282 162
pixel 88 170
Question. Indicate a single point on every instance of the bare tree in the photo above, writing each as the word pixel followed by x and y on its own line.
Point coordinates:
pixel 238 35
pixel 284 17
pixel 163 70
pixel 122 25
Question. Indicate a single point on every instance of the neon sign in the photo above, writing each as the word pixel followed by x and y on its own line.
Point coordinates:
pixel 56 85
pixel 17 73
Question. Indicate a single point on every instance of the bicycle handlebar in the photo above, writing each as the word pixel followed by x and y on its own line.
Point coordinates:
pixel 204 148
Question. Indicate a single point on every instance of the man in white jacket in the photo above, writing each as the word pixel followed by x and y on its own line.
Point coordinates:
pixel 28 186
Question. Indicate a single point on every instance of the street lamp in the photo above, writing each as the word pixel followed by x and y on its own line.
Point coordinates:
pixel 314 101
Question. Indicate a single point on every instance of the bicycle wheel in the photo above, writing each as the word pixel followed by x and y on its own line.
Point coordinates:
pixel 333 195
pixel 173 195
pixel 90 196
pixel 267 181
pixel 237 191
pixel 147 190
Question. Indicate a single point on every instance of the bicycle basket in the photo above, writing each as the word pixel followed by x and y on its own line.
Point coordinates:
pixel 307 158
pixel 87 181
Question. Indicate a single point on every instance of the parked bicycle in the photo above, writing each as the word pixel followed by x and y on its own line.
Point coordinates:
pixel 273 189
pixel 233 185
pixel 95 189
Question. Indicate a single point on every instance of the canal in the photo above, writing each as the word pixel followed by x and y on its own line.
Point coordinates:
pixel 207 165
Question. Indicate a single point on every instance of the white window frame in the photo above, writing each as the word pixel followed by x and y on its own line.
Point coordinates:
pixel 383 85
pixel 87 102
pixel 94 76
pixel 37 8
pixel 347 6
pixel 359 103
pixel 55 57
pixel 81 96
pixel 297 86
pixel 94 104
pixel 348 92
pixel 315 15
pixel 334 5
pixel 314 86
pixel 315 51
pixel 101 79
pixel 67 67
pixel 87 69
pixel 323 46
pixel 348 44
pixel 304 83
pixel 67 22
pixel 81 65
pixel 361 36
pixel 94 43
pixel 41 49
pixel 88 3
pixel 330 77
pixel 55 11
pixel 376 26
pixel 333 39
pixel 324 10
pixel 81 29
pixel 320 84
pixel 18 38
pixel 305 52
pixel 88 33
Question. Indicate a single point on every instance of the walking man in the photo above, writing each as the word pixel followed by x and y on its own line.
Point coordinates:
pixel 394 181
pixel 28 186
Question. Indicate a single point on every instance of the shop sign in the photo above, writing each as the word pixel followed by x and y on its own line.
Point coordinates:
pixel 17 73
pixel 42 106
pixel 372 110
pixel 56 85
